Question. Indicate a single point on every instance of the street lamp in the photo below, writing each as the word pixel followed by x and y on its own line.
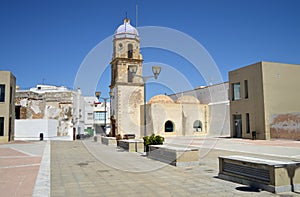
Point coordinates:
pixel 156 71
pixel 98 94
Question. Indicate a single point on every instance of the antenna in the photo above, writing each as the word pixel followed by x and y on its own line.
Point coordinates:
pixel 136 14
pixel 126 14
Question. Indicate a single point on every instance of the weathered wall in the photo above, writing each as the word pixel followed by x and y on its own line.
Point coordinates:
pixel 48 105
pixel 285 126
pixel 281 90
pixel 130 98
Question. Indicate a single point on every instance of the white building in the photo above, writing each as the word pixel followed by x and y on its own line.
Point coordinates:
pixel 101 118
pixel 57 112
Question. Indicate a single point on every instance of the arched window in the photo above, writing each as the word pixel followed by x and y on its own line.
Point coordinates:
pixel 169 126
pixel 130 50
pixel 197 126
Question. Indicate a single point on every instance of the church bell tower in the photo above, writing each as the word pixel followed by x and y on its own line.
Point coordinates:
pixel 127 89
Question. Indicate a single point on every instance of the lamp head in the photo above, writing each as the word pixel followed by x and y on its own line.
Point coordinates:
pixel 111 94
pixel 98 94
pixel 156 70
pixel 132 69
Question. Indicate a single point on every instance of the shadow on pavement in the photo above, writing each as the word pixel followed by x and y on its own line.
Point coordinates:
pixel 247 189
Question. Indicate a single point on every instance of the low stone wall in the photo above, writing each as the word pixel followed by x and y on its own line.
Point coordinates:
pixel 109 140
pixel 97 138
pixel 270 175
pixel 132 145
pixel 177 156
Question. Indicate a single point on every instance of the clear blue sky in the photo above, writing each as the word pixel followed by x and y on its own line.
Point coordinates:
pixel 46 41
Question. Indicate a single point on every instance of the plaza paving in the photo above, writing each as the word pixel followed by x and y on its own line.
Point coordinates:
pixel 87 168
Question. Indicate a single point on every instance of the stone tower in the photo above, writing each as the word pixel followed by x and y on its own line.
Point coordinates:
pixel 128 91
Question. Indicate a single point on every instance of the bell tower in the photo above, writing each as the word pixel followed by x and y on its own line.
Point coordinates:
pixel 127 89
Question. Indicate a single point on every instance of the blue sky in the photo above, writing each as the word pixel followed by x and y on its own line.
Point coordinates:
pixel 46 41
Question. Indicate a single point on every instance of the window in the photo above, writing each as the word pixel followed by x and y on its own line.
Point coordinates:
pixel 17 112
pixel 1 126
pixel 130 75
pixel 10 95
pixel 236 91
pixel 246 88
pixel 130 50
pixel 247 123
pixel 169 126
pixel 90 116
pixel 100 115
pixel 197 126
pixel 2 93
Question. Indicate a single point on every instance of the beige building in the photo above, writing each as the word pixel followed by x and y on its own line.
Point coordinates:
pixel 184 117
pixel 127 90
pixel 7 106
pixel 216 98
pixel 264 97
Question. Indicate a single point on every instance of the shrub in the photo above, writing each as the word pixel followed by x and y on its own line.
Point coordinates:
pixel 153 140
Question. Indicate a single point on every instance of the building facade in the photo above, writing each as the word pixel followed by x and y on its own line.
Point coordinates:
pixel 102 118
pixel 264 101
pixel 7 106
pixel 216 98
pixel 62 107
pixel 127 89
pixel 184 117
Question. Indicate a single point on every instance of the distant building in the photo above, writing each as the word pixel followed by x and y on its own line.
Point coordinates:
pixel 95 114
pixel 101 122
pixel 54 111
pixel 7 106
pixel 264 101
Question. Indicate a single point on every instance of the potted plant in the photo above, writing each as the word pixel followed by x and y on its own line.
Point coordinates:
pixel 153 140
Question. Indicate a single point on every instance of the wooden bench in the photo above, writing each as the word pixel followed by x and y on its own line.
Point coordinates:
pixel 271 175
pixel 128 136
pixel 132 145
pixel 174 155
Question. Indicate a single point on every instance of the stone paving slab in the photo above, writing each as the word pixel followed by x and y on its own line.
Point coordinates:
pixel 19 167
pixel 90 169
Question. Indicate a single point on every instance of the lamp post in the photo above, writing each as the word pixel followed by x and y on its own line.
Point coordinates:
pixel 156 71
pixel 98 94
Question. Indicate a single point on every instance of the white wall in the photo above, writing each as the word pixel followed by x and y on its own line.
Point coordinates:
pixel 30 129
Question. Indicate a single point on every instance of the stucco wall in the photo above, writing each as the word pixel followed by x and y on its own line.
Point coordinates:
pixel 130 98
pixel 7 108
pixel 273 88
pixel 31 129
pixel 216 96
pixel 281 90
pixel 254 104
pixel 182 116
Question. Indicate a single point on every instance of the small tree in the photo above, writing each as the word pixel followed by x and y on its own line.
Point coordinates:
pixel 153 140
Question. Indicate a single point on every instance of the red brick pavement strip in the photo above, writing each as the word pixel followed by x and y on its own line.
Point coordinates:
pixel 18 181
pixel 10 152
pixel 18 172
pixel 285 143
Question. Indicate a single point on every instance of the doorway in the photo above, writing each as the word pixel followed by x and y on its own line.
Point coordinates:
pixel 237 126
